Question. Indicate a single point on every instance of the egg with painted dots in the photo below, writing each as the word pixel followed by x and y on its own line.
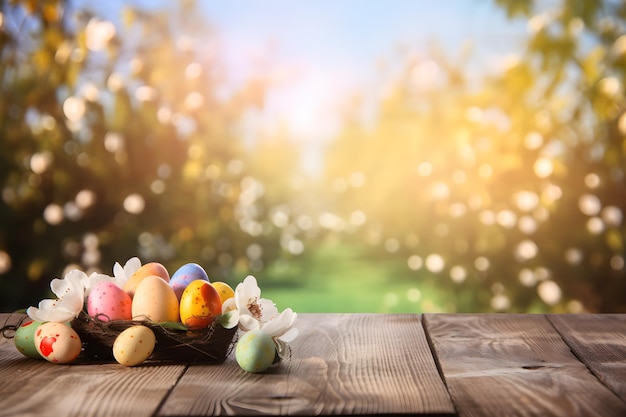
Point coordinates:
pixel 57 342
pixel 185 275
pixel 134 345
pixel 107 301
pixel 25 339
pixel 199 305
pixel 255 351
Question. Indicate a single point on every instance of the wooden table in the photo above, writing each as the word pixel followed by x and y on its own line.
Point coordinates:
pixel 432 364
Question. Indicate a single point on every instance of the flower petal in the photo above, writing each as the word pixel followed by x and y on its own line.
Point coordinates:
pixel 268 309
pixel 131 266
pixel 280 324
pixel 229 305
pixel 58 315
pixel 95 278
pixel 246 291
pixel 118 271
pixel 289 335
pixel 247 323
pixel 229 319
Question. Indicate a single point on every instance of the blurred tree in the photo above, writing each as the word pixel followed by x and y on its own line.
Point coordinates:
pixel 120 138
pixel 509 192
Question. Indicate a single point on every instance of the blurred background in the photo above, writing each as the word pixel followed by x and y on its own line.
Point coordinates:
pixel 354 156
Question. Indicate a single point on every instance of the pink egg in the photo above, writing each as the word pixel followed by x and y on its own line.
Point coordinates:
pixel 57 342
pixel 107 301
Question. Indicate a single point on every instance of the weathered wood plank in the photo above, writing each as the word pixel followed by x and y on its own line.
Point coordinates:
pixel 350 364
pixel 515 365
pixel 30 387
pixel 600 342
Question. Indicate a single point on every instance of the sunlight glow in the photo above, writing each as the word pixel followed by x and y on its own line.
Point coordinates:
pixel 458 274
pixel 543 167
pixel 74 108
pixel 527 225
pixel 413 295
pixel 435 263
pixel 612 216
pixel 193 70
pixel 589 204
pixel 595 226
pixel 617 262
pixel 40 162
pixel 482 263
pixel 549 292
pixel 500 302
pixel 533 140
pixel 526 200
pixel 527 249
pixel 415 262
pixel 527 277
pixel 134 203
pixel 5 259
pixel 573 256
pixel 53 214
pixel 98 33
pixel 506 219
pixel 425 169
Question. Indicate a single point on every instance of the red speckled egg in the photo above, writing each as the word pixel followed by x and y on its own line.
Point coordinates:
pixel 57 342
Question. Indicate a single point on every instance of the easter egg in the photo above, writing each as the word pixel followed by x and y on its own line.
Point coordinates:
pixel 224 290
pixel 155 300
pixel 255 351
pixel 107 301
pixel 25 339
pixel 134 345
pixel 147 270
pixel 200 303
pixel 57 342
pixel 185 275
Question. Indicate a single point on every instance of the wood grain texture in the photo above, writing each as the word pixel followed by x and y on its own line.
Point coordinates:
pixel 515 365
pixel 30 387
pixel 340 364
pixel 600 342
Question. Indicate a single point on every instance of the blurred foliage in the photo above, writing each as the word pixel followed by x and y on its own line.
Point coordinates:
pixel 514 192
pixel 120 141
pixel 505 193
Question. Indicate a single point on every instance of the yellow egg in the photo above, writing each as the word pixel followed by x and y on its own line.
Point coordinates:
pixel 147 270
pixel 199 305
pixel 155 300
pixel 224 290
pixel 134 345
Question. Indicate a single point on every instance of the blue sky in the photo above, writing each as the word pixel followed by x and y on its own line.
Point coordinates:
pixel 329 48
pixel 321 50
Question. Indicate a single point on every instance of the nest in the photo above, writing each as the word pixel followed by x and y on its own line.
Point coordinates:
pixel 173 345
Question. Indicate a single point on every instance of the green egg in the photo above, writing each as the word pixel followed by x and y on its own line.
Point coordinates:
pixel 25 339
pixel 255 351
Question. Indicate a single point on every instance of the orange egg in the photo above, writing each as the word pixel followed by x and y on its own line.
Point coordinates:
pixel 149 269
pixel 199 305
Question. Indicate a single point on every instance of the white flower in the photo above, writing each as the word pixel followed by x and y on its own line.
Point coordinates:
pixel 121 275
pixel 249 311
pixel 71 297
pixel 90 281
pixel 247 308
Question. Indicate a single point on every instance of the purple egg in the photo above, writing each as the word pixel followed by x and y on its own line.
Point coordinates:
pixel 185 275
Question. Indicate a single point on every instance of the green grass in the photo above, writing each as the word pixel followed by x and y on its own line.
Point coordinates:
pixel 338 278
